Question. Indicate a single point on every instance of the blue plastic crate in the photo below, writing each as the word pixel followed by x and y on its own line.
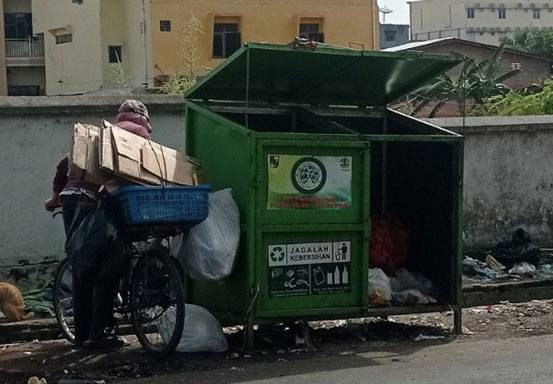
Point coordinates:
pixel 172 205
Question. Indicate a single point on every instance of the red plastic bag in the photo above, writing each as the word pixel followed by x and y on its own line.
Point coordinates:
pixel 389 245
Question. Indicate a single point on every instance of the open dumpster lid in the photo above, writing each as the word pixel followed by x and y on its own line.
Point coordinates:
pixel 324 75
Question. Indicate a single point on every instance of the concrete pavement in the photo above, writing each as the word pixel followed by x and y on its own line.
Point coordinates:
pixel 526 360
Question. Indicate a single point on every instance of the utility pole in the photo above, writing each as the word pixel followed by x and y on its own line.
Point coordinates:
pixel 145 31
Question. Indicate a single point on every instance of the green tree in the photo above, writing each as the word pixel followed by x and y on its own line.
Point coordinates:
pixel 535 41
pixel 518 103
pixel 189 68
pixel 476 81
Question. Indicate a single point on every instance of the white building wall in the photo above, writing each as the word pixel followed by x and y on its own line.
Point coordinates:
pixel 74 67
pixel 431 19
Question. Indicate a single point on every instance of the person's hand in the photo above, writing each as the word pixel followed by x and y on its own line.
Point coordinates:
pixel 52 203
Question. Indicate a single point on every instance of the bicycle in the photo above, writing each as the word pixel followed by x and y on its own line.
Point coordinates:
pixel 151 295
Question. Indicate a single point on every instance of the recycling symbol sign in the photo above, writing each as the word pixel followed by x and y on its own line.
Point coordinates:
pixel 277 255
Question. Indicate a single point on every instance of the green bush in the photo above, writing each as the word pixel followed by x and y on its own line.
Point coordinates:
pixel 517 103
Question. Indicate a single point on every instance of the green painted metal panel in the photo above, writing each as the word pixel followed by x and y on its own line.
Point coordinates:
pixel 296 287
pixel 223 150
pixel 325 76
pixel 279 198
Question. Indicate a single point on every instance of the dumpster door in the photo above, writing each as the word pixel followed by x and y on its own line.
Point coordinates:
pixel 313 214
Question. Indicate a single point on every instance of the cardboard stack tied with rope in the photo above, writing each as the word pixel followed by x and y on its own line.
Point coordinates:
pixel 118 157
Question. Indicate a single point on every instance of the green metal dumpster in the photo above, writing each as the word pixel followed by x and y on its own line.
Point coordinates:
pixel 305 140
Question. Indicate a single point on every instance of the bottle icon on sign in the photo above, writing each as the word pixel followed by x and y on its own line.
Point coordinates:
pixel 345 275
pixel 329 278
pixel 337 275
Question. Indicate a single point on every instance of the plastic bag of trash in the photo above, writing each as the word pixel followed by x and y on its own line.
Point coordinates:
pixel 209 250
pixel 404 280
pixel 412 297
pixel 202 331
pixel 522 269
pixel 380 292
pixel 390 242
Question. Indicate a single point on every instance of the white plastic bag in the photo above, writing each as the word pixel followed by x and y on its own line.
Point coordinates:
pixel 202 331
pixel 379 287
pixel 209 250
pixel 522 269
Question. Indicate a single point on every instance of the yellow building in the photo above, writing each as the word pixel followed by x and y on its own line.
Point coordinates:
pixel 102 44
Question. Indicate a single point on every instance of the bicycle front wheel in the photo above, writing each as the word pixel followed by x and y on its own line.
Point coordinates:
pixel 63 300
pixel 157 303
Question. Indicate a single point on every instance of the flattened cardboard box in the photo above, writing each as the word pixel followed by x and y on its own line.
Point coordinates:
pixel 133 157
pixel 84 154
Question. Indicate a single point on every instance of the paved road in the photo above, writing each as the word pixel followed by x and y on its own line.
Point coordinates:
pixel 508 361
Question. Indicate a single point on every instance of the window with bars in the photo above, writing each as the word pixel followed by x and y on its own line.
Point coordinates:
pixel 226 39
pixel 165 25
pixel 312 31
pixel 18 25
pixel 470 13
pixel 502 13
pixel 536 14
pixel 390 35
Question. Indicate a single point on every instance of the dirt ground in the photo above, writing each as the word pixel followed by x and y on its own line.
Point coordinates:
pixel 58 363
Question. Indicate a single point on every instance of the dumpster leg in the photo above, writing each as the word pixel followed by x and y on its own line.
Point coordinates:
pixel 248 343
pixel 457 321
pixel 303 336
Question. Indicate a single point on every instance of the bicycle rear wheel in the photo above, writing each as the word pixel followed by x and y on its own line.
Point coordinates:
pixel 63 300
pixel 157 303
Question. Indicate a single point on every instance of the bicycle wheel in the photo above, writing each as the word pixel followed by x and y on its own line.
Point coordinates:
pixel 157 303
pixel 63 300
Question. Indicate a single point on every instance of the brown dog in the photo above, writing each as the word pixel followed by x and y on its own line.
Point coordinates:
pixel 11 302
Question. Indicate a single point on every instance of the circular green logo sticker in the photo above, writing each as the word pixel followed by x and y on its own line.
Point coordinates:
pixel 308 175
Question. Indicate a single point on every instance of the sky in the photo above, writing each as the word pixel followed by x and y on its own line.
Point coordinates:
pixel 400 14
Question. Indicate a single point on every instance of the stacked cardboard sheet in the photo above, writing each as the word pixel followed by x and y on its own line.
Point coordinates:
pixel 109 153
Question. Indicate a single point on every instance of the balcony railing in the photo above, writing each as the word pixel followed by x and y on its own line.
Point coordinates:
pixel 31 47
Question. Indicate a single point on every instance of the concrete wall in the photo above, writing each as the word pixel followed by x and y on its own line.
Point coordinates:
pixel 508 179
pixel 27 76
pixel 3 72
pixel 17 6
pixel 34 134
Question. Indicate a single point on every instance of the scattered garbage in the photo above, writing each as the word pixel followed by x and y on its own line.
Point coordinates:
pixel 209 250
pixel 422 337
pixel 404 288
pixel 412 297
pixel 40 300
pixel 390 243
pixel 519 249
pixel 380 292
pixel 478 269
pixel 524 269
pixel 36 380
pixel 411 288
pixel 202 331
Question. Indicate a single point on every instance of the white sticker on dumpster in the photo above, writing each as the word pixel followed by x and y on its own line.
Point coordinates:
pixel 309 253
